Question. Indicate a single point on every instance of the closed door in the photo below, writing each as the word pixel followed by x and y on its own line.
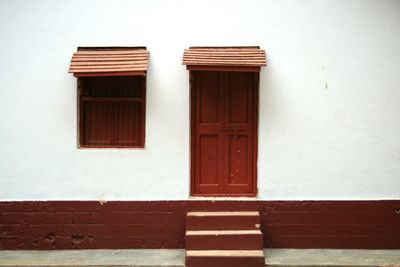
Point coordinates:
pixel 224 122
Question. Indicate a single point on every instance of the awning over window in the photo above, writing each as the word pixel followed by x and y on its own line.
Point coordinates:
pixel 109 61
pixel 243 58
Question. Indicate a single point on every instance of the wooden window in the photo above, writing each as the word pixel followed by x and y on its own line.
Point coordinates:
pixel 112 111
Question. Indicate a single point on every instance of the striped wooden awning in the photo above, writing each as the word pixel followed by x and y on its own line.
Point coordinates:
pixel 243 58
pixel 109 61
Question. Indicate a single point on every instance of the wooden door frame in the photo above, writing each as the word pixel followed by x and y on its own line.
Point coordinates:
pixel 255 141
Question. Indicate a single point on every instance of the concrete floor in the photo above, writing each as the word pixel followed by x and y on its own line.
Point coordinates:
pixel 175 258
pixel 331 257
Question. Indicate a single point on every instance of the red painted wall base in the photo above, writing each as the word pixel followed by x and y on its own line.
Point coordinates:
pixel 161 224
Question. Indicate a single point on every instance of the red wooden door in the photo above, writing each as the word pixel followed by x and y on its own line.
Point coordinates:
pixel 224 122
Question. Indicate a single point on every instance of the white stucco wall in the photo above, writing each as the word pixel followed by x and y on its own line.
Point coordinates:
pixel 329 97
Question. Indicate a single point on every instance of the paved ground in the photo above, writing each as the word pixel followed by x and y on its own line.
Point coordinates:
pixel 175 258
pixel 331 257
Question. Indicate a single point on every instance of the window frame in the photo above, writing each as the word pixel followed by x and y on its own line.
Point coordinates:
pixel 81 99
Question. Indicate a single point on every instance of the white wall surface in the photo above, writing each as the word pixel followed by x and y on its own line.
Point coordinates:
pixel 329 97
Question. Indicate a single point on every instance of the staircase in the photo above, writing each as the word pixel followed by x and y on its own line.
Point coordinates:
pixel 224 239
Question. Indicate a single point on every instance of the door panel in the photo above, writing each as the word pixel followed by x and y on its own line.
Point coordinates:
pixel 223 133
pixel 238 94
pixel 238 119
pixel 208 156
pixel 208 138
pixel 209 99
pixel 237 160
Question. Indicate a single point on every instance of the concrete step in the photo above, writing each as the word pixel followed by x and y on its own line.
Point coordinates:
pixel 223 220
pixel 224 258
pixel 224 240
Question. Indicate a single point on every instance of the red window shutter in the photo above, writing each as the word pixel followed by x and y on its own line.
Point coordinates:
pixel 127 124
pixel 98 119
pixel 112 111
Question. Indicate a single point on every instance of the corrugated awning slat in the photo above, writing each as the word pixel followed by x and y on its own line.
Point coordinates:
pixel 225 57
pixel 102 63
pixel 113 60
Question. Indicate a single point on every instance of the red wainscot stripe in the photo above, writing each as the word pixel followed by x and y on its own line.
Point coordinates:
pixel 331 224
pixel 161 224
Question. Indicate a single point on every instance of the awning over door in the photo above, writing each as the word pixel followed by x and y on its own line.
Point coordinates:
pixel 243 58
pixel 109 61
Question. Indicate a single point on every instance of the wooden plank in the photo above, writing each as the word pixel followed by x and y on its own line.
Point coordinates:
pixel 135 59
pixel 224 54
pixel 224 68
pixel 224 59
pixel 110 73
pixel 111 55
pixel 108 58
pixel 260 52
pixel 110 48
pixel 107 70
pixel 104 60
pixel 110 67
pixel 224 64
pixel 227 64
pixel 104 63
pixel 121 66
pixel 111 52
pixel 189 56
pixel 224 49
pixel 77 59
pixel 142 65
pixel 228 61
pixel 80 63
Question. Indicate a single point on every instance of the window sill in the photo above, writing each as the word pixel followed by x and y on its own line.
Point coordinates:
pixel 112 147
